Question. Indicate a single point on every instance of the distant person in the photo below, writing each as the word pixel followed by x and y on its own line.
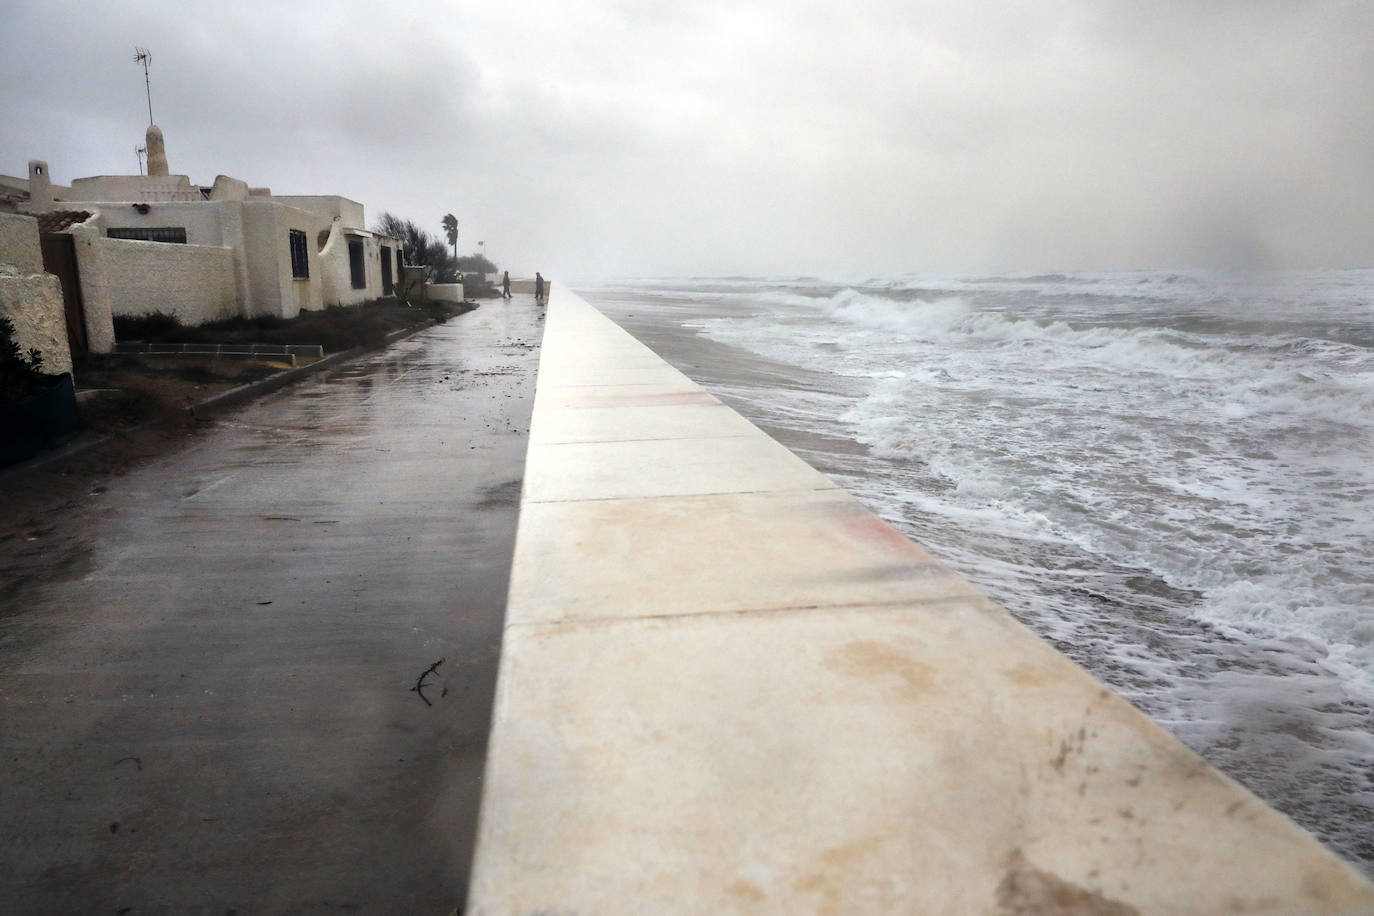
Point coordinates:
pixel 505 284
pixel 538 287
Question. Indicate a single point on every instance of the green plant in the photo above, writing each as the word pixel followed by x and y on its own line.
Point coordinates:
pixel 21 374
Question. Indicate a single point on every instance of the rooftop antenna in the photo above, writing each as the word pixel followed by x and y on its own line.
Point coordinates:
pixel 139 151
pixel 145 57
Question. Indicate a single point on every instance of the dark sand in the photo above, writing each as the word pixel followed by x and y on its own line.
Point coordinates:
pixel 206 661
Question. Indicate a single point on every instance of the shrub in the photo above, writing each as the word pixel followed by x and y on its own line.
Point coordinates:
pixel 148 326
pixel 21 374
pixel 418 247
pixel 476 264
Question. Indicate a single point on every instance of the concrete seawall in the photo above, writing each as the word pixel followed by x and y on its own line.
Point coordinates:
pixel 727 687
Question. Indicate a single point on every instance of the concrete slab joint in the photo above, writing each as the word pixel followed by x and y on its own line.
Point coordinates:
pixel 727 687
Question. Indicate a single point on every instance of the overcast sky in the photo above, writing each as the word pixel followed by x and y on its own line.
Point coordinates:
pixel 638 137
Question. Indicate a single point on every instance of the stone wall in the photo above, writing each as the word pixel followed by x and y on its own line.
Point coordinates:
pixel 19 243
pixel 34 303
pixel 29 297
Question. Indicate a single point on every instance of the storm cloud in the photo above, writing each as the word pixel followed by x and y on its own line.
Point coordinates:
pixel 618 137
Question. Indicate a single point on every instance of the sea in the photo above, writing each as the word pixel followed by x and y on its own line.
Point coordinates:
pixel 1169 475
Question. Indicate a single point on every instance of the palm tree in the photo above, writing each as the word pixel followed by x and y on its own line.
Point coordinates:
pixel 451 230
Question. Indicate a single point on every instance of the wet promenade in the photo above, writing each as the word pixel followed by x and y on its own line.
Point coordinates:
pixel 207 707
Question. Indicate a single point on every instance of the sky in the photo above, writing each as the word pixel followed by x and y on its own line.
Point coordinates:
pixel 637 138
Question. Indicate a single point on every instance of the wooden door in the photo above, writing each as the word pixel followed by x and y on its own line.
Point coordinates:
pixel 59 258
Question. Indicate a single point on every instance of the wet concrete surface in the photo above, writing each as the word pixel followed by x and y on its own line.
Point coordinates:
pixel 205 702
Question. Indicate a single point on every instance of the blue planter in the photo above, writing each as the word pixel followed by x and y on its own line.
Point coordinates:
pixel 45 420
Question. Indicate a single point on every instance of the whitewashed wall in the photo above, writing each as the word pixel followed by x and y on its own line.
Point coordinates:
pixel 226 188
pixel 344 220
pixel 196 283
pixel 95 302
pixel 272 289
pixel 444 292
pixel 204 221
pixel 253 226
pixel 337 271
pixel 334 265
pixel 372 257
pixel 103 188
pixel 327 207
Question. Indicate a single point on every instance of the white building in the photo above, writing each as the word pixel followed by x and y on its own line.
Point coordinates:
pixel 158 243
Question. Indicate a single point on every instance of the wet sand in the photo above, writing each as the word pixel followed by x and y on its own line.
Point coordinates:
pixel 206 663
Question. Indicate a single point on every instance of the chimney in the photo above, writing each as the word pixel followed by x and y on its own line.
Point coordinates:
pixel 157 152
pixel 40 185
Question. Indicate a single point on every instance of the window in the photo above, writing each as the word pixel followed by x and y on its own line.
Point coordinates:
pixel 300 257
pixel 355 265
pixel 175 235
pixel 386 270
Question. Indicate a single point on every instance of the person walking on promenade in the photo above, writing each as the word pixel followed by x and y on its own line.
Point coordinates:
pixel 505 284
pixel 538 287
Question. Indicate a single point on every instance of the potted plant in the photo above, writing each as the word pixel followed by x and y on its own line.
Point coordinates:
pixel 37 410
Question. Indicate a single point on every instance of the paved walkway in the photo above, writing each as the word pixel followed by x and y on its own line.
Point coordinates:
pixel 209 709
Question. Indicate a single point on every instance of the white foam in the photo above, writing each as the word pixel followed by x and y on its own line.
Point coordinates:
pixel 1051 424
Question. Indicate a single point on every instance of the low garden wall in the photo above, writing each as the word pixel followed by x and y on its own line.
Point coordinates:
pixel 444 292
pixel 196 283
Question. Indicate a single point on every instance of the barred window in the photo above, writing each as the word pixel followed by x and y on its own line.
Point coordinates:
pixel 300 258
pixel 173 234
